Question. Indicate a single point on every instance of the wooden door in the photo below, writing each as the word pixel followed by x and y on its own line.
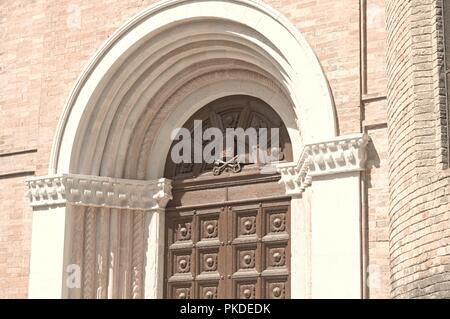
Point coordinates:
pixel 239 250
pixel 227 231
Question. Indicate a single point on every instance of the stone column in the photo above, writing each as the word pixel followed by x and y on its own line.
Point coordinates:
pixel 325 218
pixel 96 237
pixel 154 268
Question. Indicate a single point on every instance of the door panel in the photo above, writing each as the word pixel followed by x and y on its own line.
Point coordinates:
pixel 233 251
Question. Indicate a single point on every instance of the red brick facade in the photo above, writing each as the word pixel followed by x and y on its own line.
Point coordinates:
pixel 418 175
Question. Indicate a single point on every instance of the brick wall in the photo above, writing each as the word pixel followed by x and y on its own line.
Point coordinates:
pixel 46 43
pixel 15 236
pixel 418 178
pixel 374 117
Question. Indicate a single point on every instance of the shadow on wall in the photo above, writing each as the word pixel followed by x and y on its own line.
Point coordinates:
pixel 373 160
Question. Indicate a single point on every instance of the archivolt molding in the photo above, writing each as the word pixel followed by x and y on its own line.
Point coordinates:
pixel 174 100
pixel 163 43
pixel 221 75
pixel 340 155
pixel 98 191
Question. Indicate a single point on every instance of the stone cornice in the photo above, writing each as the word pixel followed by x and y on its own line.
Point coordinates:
pixel 98 191
pixel 340 155
pixel 46 191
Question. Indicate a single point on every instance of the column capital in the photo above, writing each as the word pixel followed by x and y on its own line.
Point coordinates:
pixel 339 155
pixel 98 191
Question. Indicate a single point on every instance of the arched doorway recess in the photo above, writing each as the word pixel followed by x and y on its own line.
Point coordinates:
pixel 228 224
pixel 100 212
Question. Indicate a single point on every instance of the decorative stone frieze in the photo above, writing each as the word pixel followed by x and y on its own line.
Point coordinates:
pixel 98 191
pixel 46 191
pixel 340 155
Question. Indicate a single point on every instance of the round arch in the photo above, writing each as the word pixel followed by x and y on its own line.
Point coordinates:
pixel 127 89
pixel 151 75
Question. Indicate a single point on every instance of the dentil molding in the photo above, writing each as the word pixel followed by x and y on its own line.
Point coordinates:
pixel 98 191
pixel 340 155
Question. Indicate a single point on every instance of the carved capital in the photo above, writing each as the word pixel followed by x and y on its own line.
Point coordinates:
pixel 46 191
pixel 340 155
pixel 98 191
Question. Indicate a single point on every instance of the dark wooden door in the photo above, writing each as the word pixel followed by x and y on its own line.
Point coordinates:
pixel 239 250
pixel 228 231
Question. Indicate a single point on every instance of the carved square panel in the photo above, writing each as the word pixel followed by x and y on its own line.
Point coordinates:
pixel 209 261
pixel 181 291
pixel 276 256
pixel 246 222
pixel 247 225
pixel 246 290
pixel 208 291
pixel 276 221
pixel 209 227
pixel 181 263
pixel 275 289
pixel 246 258
pixel 183 231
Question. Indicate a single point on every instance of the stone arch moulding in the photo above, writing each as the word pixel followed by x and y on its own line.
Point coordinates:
pixel 105 193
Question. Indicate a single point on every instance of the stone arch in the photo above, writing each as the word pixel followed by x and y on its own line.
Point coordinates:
pixel 151 75
pixel 154 52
